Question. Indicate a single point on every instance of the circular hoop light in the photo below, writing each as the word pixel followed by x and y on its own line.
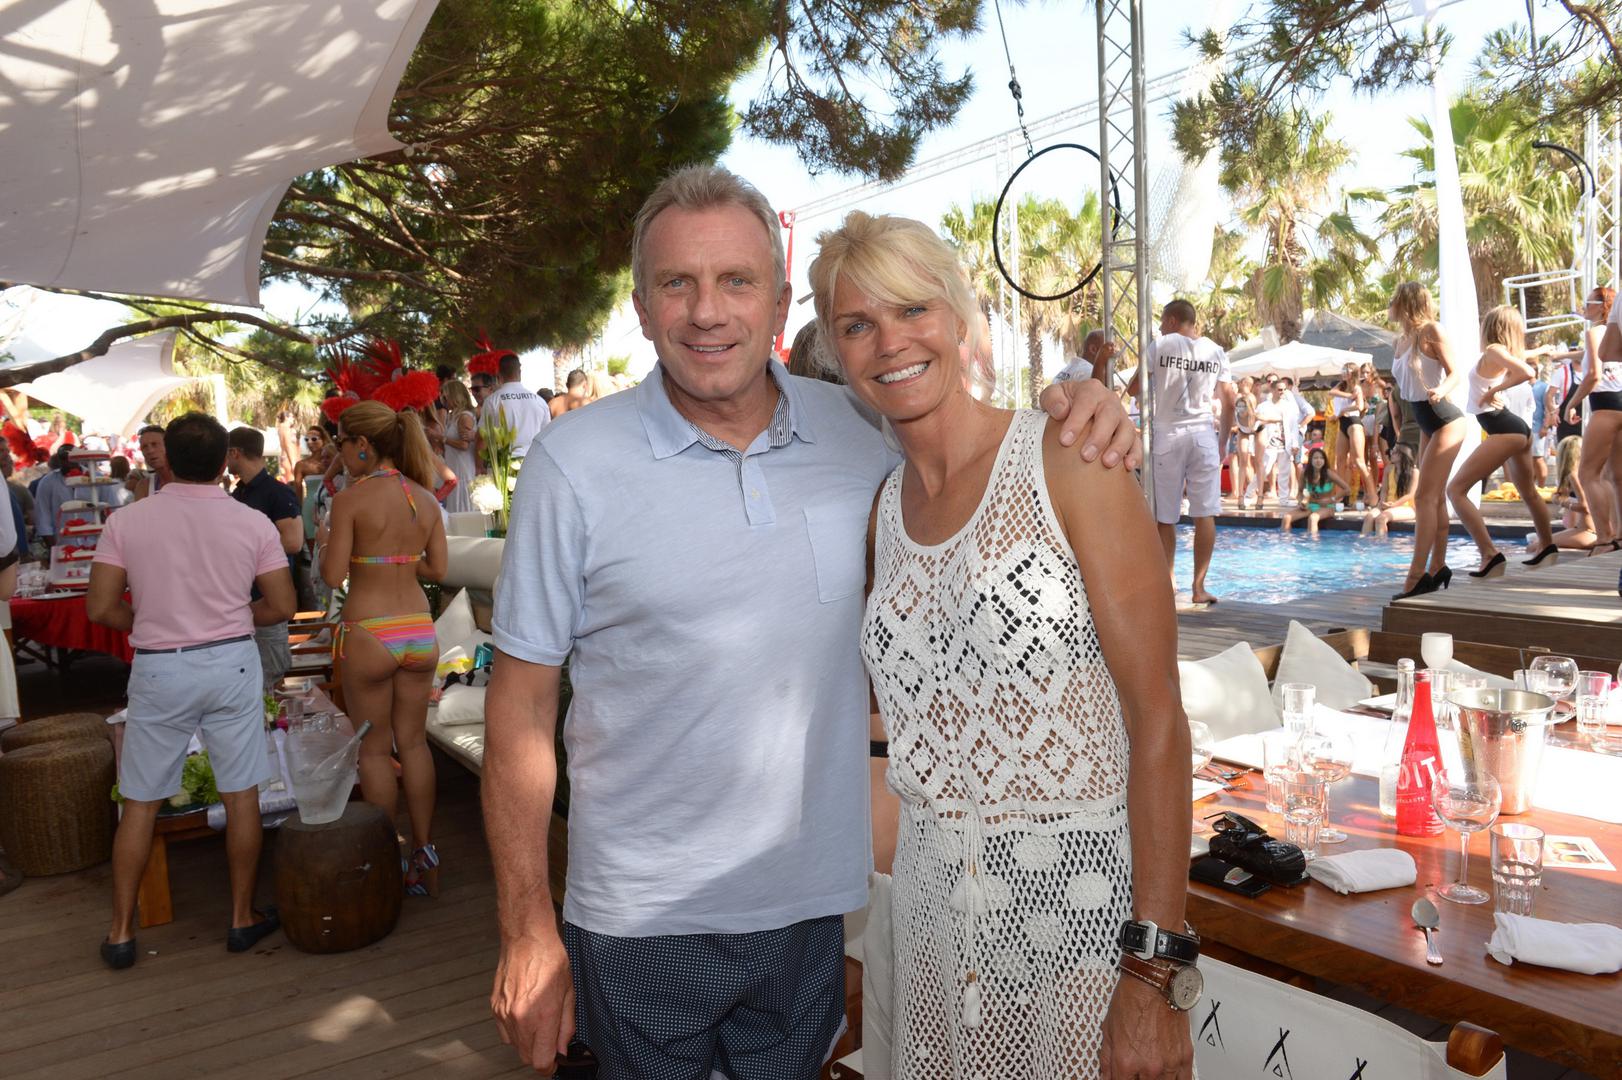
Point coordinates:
pixel 1115 219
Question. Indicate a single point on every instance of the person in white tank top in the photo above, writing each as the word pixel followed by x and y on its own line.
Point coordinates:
pixel 1005 570
pixel 1426 372
pixel 1494 380
pixel 1601 387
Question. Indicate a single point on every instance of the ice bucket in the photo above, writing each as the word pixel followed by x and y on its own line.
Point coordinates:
pixel 1501 732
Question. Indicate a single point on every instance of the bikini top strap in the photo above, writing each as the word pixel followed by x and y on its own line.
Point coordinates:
pixel 406 487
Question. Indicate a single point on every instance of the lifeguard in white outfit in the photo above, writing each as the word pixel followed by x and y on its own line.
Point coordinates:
pixel 1190 374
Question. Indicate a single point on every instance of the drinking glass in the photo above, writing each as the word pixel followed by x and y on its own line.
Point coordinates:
pixel 1593 701
pixel 1559 673
pixel 1534 680
pixel 1202 742
pixel 1330 756
pixel 1517 866
pixel 1467 803
pixel 1437 649
pixel 1303 811
pixel 1298 700
pixel 1277 756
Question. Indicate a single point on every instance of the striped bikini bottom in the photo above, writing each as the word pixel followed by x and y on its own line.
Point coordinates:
pixel 408 638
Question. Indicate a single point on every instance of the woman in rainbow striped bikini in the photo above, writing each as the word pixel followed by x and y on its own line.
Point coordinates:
pixel 386 534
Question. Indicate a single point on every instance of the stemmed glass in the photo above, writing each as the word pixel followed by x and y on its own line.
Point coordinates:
pixel 1467 803
pixel 1203 746
pixel 1202 742
pixel 1437 649
pixel 1559 674
pixel 1330 757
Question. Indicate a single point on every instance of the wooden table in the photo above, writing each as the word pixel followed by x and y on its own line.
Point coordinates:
pixel 1369 942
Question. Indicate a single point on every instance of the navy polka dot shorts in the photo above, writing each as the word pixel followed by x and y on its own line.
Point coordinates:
pixel 761 1006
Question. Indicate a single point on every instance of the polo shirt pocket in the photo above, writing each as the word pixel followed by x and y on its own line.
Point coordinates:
pixel 839 547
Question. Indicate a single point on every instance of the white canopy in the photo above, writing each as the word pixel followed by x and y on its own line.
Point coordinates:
pixel 112 394
pixel 1298 360
pixel 149 143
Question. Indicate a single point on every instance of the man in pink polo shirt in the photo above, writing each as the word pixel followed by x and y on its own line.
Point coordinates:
pixel 190 556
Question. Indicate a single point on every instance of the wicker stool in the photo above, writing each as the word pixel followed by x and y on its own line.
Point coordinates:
pixel 339 885
pixel 75 725
pixel 55 811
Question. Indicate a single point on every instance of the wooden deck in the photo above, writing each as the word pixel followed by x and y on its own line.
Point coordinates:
pixel 1572 607
pixel 414 1004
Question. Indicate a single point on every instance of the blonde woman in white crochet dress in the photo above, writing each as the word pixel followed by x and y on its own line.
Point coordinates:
pixel 1021 639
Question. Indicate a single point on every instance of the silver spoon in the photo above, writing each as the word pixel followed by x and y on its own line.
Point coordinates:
pixel 1427 918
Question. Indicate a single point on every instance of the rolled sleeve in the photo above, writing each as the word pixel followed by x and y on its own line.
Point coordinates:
pixel 110 545
pixel 540 598
pixel 271 555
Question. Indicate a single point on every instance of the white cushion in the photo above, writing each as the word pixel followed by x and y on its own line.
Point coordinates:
pixel 457 635
pixel 461 705
pixel 1228 691
pixel 1309 659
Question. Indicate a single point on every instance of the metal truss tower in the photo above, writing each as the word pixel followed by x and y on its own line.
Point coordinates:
pixel 1122 94
pixel 1604 152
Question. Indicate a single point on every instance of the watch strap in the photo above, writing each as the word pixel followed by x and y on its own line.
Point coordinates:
pixel 1183 948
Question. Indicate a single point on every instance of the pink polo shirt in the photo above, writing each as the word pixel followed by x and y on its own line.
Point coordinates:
pixel 191 553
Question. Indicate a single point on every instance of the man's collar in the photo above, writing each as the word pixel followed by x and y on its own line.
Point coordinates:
pixel 669 432
pixel 187 489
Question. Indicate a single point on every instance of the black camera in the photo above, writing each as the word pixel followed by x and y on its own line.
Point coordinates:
pixel 1240 841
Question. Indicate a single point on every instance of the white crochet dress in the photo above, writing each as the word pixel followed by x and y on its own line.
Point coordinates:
pixel 1013 869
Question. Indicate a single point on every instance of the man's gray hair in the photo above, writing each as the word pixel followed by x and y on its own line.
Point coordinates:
pixel 704 187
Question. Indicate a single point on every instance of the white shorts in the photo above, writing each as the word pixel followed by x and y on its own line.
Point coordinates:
pixel 213 692
pixel 1186 462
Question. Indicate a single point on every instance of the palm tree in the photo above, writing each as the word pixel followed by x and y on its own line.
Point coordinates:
pixel 1280 189
pixel 1227 307
pixel 1518 211
pixel 1056 249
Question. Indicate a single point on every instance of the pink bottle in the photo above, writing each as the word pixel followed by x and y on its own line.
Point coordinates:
pixel 1421 760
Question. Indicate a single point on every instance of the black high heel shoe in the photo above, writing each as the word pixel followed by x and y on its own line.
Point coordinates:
pixel 1494 568
pixel 1443 577
pixel 1425 584
pixel 1551 554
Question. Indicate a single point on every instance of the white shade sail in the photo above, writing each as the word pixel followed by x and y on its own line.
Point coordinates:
pixel 1298 360
pixel 149 143
pixel 112 394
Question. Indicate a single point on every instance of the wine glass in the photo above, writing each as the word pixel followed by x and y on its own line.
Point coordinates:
pixel 1202 742
pixel 1437 649
pixel 1330 757
pixel 1559 674
pixel 1468 803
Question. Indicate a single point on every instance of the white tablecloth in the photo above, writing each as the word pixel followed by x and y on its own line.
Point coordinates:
pixel 1569 781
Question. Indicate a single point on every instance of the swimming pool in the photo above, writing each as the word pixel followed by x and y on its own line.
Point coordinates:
pixel 1264 566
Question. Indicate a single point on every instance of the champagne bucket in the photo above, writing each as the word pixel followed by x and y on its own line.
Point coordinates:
pixel 1501 732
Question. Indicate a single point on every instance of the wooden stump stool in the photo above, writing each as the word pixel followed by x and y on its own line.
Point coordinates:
pixel 58 728
pixel 56 812
pixel 339 885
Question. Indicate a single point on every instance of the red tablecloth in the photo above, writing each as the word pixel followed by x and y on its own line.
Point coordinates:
pixel 64 625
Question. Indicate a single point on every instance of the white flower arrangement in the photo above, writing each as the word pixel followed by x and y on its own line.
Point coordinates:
pixel 485 496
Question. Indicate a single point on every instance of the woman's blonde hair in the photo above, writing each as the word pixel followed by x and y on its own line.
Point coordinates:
pixel 456 395
pixel 1503 326
pixel 397 436
pixel 1412 304
pixel 1567 457
pixel 895 260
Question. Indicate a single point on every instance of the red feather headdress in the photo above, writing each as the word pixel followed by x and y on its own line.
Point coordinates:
pixel 379 375
pixel 487 361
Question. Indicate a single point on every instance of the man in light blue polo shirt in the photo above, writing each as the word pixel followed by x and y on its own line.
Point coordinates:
pixel 698 548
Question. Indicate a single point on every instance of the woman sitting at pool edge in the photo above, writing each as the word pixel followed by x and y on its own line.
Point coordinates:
pixel 1321 486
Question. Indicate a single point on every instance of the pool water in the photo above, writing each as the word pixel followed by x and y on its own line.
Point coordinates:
pixel 1265 566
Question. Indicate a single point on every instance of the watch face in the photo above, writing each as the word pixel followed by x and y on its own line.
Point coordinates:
pixel 1187 984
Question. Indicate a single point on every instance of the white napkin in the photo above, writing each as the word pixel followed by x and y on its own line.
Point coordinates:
pixel 1588 948
pixel 1364 871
